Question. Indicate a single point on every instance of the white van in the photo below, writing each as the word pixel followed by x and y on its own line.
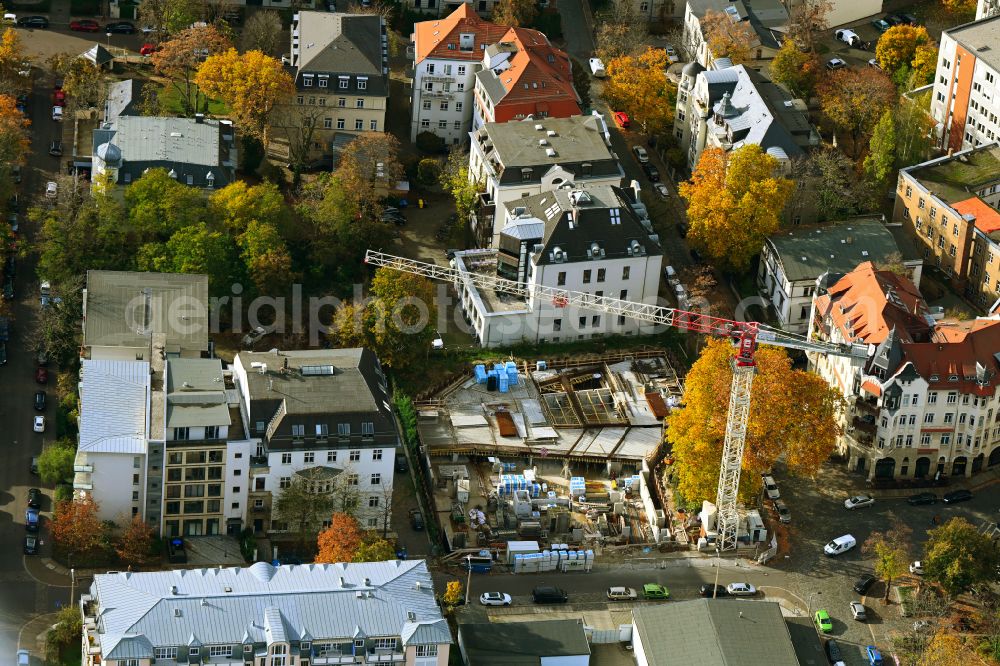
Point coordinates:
pixel 771 488
pixel 840 545
pixel 849 37
pixel 597 68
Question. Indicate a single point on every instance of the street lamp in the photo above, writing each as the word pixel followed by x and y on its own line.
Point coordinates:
pixel 468 579
pixel 108 33
pixel 718 564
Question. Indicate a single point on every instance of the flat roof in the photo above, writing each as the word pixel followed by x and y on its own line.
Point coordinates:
pixel 981 38
pixel 576 139
pixel 957 178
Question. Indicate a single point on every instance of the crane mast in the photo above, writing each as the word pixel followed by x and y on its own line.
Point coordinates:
pixel 745 335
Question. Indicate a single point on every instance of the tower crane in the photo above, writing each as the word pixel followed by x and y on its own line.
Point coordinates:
pixel 744 334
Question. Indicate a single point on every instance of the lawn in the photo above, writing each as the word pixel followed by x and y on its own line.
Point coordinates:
pixel 170 103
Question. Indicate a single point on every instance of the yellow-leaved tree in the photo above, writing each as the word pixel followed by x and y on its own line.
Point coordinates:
pixel 792 414
pixel 898 47
pixel 735 200
pixel 637 84
pixel 727 38
pixel 252 84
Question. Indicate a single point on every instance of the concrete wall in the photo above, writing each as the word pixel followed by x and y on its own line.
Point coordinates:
pixel 112 480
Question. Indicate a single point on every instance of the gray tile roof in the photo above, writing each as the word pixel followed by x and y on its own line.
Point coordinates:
pixel 806 253
pixel 336 43
pixel 113 403
pixel 121 99
pixel 262 604
pixel 521 643
pixel 715 632
pixel 114 306
pixel 196 393
pixel 190 147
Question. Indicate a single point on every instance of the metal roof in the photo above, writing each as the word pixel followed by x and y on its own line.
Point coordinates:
pixel 113 405
pixel 196 393
pixel 115 310
pixel 522 643
pixel 263 603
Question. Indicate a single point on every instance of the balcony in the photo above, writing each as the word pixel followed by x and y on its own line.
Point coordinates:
pixel 437 94
pixel 258 461
pixel 862 430
pixel 334 659
pixel 436 78
pixel 385 657
pixel 863 407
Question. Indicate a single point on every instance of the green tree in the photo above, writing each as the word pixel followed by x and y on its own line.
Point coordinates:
pixel 373 548
pixel 428 171
pixel 958 556
pixel 581 82
pixel 891 553
pixel 238 204
pixel 55 464
pixel 64 634
pixel 90 236
pixel 514 12
pixel 304 504
pixel 158 206
pixel 914 130
pixel 836 190
pixel 881 158
pixel 193 249
pixel 266 257
pixel 794 69
pixel 455 180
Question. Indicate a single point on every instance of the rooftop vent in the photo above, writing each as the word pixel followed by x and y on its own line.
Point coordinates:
pixel 552 133
pixel 368 582
pixel 411 616
pixel 543 142
pixel 204 601
pixel 173 589
pixel 342 583
pixel 177 612
pixel 550 152
pixel 539 127
pixel 228 589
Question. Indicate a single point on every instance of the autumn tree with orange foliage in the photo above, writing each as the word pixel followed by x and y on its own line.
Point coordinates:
pixel 853 100
pixel 252 84
pixel 76 526
pixel 906 46
pixel 178 59
pixel 637 83
pixel 735 200
pixel 792 414
pixel 11 57
pixel 948 648
pixel 340 541
pixel 727 38
pixel 134 546
pixel 514 12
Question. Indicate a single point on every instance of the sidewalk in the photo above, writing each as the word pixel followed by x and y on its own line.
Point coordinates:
pixel 977 482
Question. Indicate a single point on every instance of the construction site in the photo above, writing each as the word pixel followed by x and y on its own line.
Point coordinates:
pixel 555 456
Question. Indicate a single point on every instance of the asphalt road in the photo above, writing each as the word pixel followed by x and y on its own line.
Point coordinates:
pixel 27 589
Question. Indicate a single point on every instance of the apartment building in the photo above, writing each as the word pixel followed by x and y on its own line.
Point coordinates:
pixel 126 314
pixel 340 65
pixel 949 206
pixel 767 19
pixel 520 159
pixel 987 8
pixel 582 240
pixel 964 101
pixel 732 106
pixel 523 76
pixel 325 411
pixel 262 615
pixel 791 261
pixel 924 402
pixel 447 53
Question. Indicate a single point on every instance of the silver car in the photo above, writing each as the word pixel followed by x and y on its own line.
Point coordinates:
pixel 858 611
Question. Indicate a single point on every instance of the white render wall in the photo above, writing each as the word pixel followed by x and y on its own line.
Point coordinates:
pixel 432 117
pixel 982 123
pixel 113 487
pixel 237 460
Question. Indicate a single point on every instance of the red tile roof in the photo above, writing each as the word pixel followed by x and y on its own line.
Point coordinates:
pixel 956 355
pixel 987 217
pixel 538 70
pixel 433 38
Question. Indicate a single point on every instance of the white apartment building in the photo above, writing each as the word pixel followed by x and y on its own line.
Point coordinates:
pixel 447 53
pixel 925 401
pixel 516 160
pixel 987 8
pixel 767 20
pixel 582 240
pixel 325 411
pixel 965 100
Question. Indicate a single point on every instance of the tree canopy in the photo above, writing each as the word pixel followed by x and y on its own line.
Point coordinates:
pixel 792 415
pixel 340 541
pixel 907 46
pixel 637 83
pixel 890 550
pixel 515 12
pixel 795 69
pixel 727 38
pixel 179 58
pixel 735 200
pixel 76 526
pixel 853 100
pixel 958 556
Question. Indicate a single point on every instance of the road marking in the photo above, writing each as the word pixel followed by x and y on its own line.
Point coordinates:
pixel 24 563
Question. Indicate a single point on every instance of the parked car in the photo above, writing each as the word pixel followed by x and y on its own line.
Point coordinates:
pixel 671 52
pixel 858 611
pixel 15 173
pixel 881 25
pixel 917 568
pixel 651 172
pixel 661 190
pixel 863 584
pixel 85 25
pixel 655 591
pixel 34 498
pixel 40 400
pixel 148 49
pixel 402 465
pixel 416 519
pixel 9 17
pixel 640 154
pixel 874 656
pixel 51 188
pixel 835 63
pixel 30 548
pixel 176 553
pixel 858 501
pixel 57 113
pixel 840 545
pixel 31 518
pixel 771 488
pixel 908 19
pixel 120 27
pixel 3 353
pixel 682 229
pixel 494 599
pixel 59 97
pixel 33 22
pixel 849 37
pixel 741 589
pixel 549 594
pixel 621 594
pixel 709 590
pixel 823 621
pixel 784 515
pixel 893 19
pixel 4 329
pixel 873 63
pixel 957 496
pixel 597 68
pixel 621 119
pixel 33 466
pixel 55 149
pixel 41 375
pixel 833 653
pixel 38 424
pixel 8 289
pixel 922 498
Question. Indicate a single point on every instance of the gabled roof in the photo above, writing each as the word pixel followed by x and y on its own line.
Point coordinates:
pixel 714 632
pixel 121 99
pixel 968 351
pixel 114 398
pixel 262 604
pixel 336 42
pixel 441 38
pixel 524 66
pixel 987 217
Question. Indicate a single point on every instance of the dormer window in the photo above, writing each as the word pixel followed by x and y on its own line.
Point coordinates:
pixel 307 80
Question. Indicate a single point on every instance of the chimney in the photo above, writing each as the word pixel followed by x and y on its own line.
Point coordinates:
pixel 951 151
pixel 368 582
pixel 173 589
pixel 199 118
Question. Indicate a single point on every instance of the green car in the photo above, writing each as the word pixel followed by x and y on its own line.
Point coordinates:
pixel 823 622
pixel 655 591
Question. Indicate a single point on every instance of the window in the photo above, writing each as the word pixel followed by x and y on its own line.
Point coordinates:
pixel 425 123
pixel 211 432
pixel 376 479
pixel 359 124
pixel 352 479
pixel 945 439
pixel 342 83
pixel 355 456
pixel 367 429
pixel 458 124
pixel 343 429
pixel 224 650
pixel 376 454
pixel 442 124
pixel 312 100
pixel 310 456
pixel 359 103
pixel 586 276
pixel 583 322
pixel 561 278
pixel 556 325
pixel 307 81
pixel 286 458
pixel 322 430
pixel 949 417
pixel 372 502
pixel 921 203
pixel 299 99
pixel 324 82
pixel 443 106
pixel 362 84
pixel 459 106
pixel 600 274
pixel 932 398
pixel 340 123
pixel 331 456
pixel 427 650
pixel 595 320
pixel 929 417
pixel 165 652
pixel 625 273
pixel 373 125
pixel 385 643
pixel 461 70
pixel 298 430
pixel 180 434
pixel 460 87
